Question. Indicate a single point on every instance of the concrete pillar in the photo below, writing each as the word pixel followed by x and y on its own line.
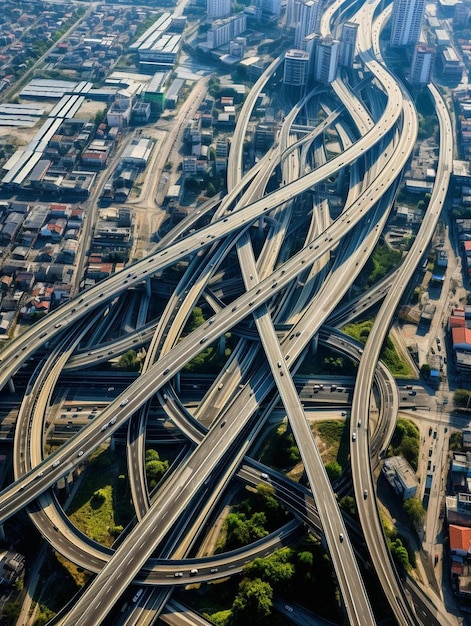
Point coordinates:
pixel 148 288
pixel 176 382
pixel 11 385
pixel 2 533
pixel 314 343
pixel 112 443
pixel 221 345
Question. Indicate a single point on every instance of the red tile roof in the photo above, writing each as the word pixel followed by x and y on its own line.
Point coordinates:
pixel 460 537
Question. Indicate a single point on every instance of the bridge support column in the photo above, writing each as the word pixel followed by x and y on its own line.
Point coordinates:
pixel 176 383
pixel 2 533
pixel 112 443
pixel 11 386
pixel 148 289
pixel 221 345
pixel 314 343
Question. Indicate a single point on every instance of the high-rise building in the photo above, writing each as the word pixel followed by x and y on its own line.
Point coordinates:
pixel 406 22
pixel 326 54
pixel 291 13
pixel 460 15
pixel 307 21
pixel 422 64
pixel 222 31
pixel 216 9
pixel 267 10
pixel 296 68
pixel 348 40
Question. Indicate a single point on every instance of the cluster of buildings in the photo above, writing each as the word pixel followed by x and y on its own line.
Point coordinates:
pixel 39 243
pixel 111 245
pixel 91 51
pixel 458 516
pixel 23 28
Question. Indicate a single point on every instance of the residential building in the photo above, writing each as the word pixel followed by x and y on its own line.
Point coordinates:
pixel 348 40
pixel 422 64
pixel 217 9
pixel 223 31
pixel 307 19
pixel 326 52
pixel 406 22
pixel 296 68
pixel 400 476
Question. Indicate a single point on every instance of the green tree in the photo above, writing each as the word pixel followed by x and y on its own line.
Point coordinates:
pixel 334 470
pixel 275 569
pixel 196 319
pixel 99 117
pixel 425 371
pixel 253 603
pixel 154 472
pixel 242 530
pixel 155 467
pixel 10 612
pixel 347 504
pixel 456 441
pixel 400 554
pixel 128 361
pixel 414 510
pixel 461 398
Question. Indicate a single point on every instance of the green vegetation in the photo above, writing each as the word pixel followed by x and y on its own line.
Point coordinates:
pixel 253 518
pixel 155 468
pixel 383 260
pixel 335 447
pixel 326 361
pixel 461 398
pixel 348 504
pixel 280 450
pixel 456 441
pixel 334 471
pixel 44 616
pixel 301 574
pixel 405 442
pixel 415 511
pixel 401 551
pixel 428 126
pixel 102 504
pixel 253 603
pixel 361 330
pixel 425 371
pixel 10 613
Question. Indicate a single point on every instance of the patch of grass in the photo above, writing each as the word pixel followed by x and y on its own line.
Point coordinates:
pixel 280 450
pixel 103 502
pixel 334 440
pixel 326 361
pixel 389 355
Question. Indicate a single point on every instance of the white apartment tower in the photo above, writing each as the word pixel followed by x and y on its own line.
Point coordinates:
pixel 348 40
pixel 422 64
pixel 326 54
pixel 307 18
pixel 296 68
pixel 216 9
pixel 406 22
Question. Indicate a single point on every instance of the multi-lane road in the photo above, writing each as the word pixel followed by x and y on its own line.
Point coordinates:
pixel 300 288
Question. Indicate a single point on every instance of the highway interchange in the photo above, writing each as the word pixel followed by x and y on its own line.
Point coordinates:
pixel 377 125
